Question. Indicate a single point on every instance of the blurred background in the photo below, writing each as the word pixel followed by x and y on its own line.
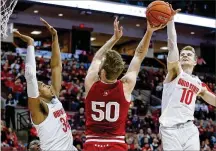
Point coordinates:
pixel 82 31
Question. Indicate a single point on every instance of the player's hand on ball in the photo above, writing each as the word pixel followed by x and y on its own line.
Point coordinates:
pixel 118 32
pixel 153 28
pixel 49 27
pixel 174 12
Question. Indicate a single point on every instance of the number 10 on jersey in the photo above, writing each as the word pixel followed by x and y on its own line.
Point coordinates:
pixel 187 96
pixel 106 112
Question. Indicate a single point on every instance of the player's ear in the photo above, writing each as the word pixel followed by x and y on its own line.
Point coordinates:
pixel 103 73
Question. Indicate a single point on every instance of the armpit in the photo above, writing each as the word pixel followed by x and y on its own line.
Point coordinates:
pixel 44 108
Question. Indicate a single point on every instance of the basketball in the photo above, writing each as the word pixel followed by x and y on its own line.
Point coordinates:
pixel 158 12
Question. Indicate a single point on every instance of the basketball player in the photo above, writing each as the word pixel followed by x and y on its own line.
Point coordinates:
pixel 108 99
pixel 180 91
pixel 47 113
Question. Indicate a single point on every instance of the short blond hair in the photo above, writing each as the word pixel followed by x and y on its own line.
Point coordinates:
pixel 189 48
pixel 113 64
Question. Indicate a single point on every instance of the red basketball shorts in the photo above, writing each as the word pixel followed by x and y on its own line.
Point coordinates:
pixel 105 146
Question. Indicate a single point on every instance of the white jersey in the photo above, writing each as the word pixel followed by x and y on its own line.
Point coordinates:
pixel 55 132
pixel 178 99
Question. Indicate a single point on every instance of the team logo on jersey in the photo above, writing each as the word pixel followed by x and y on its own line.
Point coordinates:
pixel 105 93
pixel 189 85
pixel 59 112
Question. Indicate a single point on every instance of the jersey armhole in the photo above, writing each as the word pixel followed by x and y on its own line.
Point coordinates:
pixel 167 83
pixel 45 120
pixel 89 92
pixel 122 91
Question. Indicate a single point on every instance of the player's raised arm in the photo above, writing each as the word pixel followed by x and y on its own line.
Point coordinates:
pixel 130 77
pixel 207 95
pixel 173 65
pixel 56 63
pixel 92 74
pixel 31 80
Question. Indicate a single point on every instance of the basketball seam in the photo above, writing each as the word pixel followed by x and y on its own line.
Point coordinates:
pixel 157 4
pixel 160 12
pixel 154 5
pixel 155 18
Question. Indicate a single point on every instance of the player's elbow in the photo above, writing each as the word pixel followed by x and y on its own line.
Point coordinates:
pixel 30 73
pixel 30 42
pixel 56 68
pixel 173 55
pixel 55 64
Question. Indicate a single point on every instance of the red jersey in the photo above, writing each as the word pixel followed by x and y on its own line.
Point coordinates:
pixel 106 110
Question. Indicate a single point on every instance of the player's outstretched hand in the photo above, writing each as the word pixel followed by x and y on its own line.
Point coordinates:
pixel 174 12
pixel 49 27
pixel 25 38
pixel 16 33
pixel 118 32
pixel 152 28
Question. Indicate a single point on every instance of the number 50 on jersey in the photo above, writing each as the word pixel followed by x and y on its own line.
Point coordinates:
pixel 103 111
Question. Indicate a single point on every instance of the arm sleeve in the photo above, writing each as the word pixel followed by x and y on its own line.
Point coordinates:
pixel 173 54
pixel 30 73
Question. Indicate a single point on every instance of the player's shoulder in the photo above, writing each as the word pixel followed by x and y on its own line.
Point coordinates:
pixel 196 77
pixel 198 80
pixel 95 84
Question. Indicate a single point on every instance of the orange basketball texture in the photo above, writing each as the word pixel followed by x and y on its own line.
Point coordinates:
pixel 158 12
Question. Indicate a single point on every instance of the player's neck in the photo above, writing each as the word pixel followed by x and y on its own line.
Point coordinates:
pixel 47 100
pixel 108 81
pixel 187 69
